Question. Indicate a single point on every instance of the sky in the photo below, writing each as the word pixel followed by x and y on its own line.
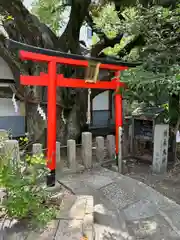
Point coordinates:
pixel 27 3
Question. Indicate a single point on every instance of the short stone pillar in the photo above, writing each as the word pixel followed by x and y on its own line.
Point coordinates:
pixel 58 152
pixel 3 138
pixel 87 149
pixel 160 155
pixel 3 135
pixel 71 154
pixel 37 149
pixel 111 146
pixel 100 149
pixel 11 151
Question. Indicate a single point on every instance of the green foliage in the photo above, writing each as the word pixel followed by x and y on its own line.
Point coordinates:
pixel 108 21
pixel 95 39
pixel 49 12
pixel 25 197
pixel 152 87
pixel 158 76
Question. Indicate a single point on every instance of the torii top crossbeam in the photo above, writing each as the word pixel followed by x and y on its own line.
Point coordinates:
pixel 52 80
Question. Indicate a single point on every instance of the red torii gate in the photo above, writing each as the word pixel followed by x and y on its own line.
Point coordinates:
pixel 52 80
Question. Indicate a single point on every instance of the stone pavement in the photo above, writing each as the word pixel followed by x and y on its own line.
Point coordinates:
pixel 75 220
pixel 125 208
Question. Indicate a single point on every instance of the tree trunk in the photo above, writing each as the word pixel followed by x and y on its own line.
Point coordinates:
pixel 26 28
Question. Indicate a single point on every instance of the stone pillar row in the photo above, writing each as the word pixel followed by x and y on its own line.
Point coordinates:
pixel 11 147
pixel 160 155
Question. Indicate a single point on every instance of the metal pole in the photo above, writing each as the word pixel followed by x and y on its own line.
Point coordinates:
pixel 51 124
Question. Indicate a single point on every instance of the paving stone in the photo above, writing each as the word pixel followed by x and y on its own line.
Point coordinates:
pixel 119 197
pixel 125 196
pixel 131 186
pixel 45 234
pixel 89 205
pixel 96 178
pixel 69 230
pixel 105 172
pixel 162 202
pixel 98 181
pixel 87 226
pixel 141 209
pixel 140 191
pixel 174 217
pixel 72 207
pixel 109 233
pixel 153 228
pixel 74 184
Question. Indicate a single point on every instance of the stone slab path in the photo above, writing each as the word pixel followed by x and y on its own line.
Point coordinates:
pixel 125 208
pixel 75 219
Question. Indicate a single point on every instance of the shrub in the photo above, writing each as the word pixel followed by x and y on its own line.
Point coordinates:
pixel 26 198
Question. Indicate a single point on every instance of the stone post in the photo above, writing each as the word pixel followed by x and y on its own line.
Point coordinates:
pixel 11 151
pixel 3 135
pixel 87 149
pixel 100 149
pixel 71 154
pixel 58 152
pixel 160 154
pixel 111 146
pixel 120 163
pixel 3 138
pixel 37 149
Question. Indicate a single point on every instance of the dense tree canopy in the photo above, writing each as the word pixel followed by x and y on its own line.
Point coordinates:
pixel 146 31
pixel 142 31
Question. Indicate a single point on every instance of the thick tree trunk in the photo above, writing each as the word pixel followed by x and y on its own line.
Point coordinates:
pixel 26 28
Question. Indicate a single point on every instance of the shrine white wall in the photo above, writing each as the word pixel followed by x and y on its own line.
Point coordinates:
pixel 9 119
pixel 101 101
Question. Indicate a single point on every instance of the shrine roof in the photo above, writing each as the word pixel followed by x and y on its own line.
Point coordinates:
pixel 109 60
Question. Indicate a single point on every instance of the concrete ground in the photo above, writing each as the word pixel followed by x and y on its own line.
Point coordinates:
pixel 125 208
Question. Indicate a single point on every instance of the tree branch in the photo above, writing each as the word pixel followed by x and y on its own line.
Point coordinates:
pixel 137 41
pixel 70 37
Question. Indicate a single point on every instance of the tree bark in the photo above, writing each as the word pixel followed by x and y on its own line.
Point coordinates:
pixel 71 104
pixel 26 28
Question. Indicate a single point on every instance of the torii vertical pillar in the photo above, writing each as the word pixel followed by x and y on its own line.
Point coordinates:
pixel 51 123
pixel 118 121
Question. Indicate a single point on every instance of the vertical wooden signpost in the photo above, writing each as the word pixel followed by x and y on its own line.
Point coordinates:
pixel 53 80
